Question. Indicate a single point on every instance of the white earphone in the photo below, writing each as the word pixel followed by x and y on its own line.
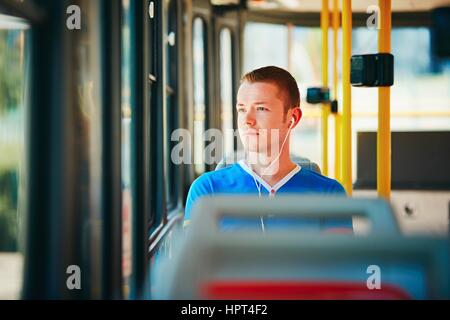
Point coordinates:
pixel 258 185
pixel 278 156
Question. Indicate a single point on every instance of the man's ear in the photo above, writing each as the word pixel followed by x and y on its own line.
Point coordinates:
pixel 296 115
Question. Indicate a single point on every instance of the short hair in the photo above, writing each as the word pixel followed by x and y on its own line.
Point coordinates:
pixel 282 79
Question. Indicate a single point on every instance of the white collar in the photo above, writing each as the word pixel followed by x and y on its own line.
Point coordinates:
pixel 278 185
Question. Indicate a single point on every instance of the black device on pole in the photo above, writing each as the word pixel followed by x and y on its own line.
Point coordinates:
pixel 317 95
pixel 440 32
pixel 372 70
pixel 334 106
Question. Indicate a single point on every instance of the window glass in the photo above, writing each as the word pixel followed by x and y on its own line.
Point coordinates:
pixel 12 158
pixel 226 90
pixel 86 128
pixel 260 49
pixel 421 81
pixel 126 148
pixel 199 94
pixel 171 113
pixel 306 58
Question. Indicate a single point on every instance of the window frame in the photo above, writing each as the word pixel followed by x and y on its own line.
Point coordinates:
pixel 206 48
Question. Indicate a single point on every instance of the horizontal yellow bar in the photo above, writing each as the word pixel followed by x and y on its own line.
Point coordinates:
pixel 316 113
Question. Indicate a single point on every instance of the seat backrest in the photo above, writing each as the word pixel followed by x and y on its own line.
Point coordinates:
pixel 298 290
pixel 235 157
pixel 285 264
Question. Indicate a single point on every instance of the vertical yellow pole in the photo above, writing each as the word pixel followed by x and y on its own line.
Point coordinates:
pixel 384 96
pixel 346 96
pixel 337 117
pixel 325 25
pixel 338 146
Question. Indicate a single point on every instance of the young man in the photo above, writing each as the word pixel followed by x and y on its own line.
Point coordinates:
pixel 268 108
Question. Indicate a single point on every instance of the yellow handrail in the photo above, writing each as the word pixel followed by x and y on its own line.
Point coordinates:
pixel 384 97
pixel 337 116
pixel 346 96
pixel 325 25
pixel 316 113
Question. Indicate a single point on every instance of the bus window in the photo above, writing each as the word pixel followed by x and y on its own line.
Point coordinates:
pixel 171 114
pixel 226 90
pixel 271 50
pixel 126 148
pixel 306 68
pixel 420 92
pixel 199 36
pixel 12 158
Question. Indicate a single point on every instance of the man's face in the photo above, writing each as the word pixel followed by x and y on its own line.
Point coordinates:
pixel 261 119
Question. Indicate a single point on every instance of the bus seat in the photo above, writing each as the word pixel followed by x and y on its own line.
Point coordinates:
pixel 235 157
pixel 210 263
pixel 298 290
